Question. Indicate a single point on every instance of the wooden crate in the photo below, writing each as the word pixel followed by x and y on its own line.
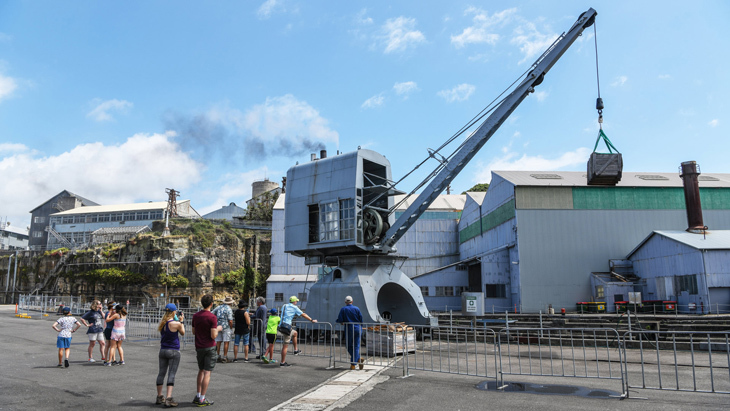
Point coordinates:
pixel 605 169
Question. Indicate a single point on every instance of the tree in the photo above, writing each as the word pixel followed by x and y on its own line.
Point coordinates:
pixel 262 207
pixel 481 187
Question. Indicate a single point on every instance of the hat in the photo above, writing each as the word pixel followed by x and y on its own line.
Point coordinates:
pixel 228 300
pixel 66 310
pixel 171 307
pixel 293 299
pixel 348 299
pixel 273 311
pixel 242 303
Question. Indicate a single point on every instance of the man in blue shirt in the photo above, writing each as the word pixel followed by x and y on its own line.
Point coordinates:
pixel 288 312
pixel 351 317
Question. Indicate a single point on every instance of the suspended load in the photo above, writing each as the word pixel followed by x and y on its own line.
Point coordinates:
pixel 604 169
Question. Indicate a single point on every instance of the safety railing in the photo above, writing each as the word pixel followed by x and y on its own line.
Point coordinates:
pixel 453 350
pixel 376 344
pixel 142 327
pixel 561 352
pixel 678 361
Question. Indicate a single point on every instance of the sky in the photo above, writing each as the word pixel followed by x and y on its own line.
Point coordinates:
pixel 117 101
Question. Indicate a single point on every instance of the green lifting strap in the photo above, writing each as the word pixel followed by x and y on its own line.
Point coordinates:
pixel 609 145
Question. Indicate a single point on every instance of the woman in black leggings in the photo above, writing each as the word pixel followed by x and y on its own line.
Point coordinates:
pixel 170 327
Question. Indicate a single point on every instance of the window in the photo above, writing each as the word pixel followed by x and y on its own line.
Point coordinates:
pixel 329 223
pixel 67 219
pixel 39 220
pixel 302 297
pixel 599 291
pixel 116 217
pixel 128 217
pixel 496 291
pixel 686 283
pixel 314 223
pixel 156 215
pixel 447 291
pixel 92 218
pixel 144 215
pixel 55 220
pixel 460 290
pixel 37 234
pixel 103 217
pixel 278 297
pixel 347 219
pixel 424 291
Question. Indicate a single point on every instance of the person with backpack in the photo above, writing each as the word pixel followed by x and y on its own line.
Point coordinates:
pixel 288 312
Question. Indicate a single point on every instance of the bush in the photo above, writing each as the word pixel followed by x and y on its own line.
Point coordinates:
pixel 173 280
pixel 111 276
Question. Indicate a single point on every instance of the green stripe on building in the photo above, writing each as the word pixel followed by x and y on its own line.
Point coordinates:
pixel 645 198
pixel 500 215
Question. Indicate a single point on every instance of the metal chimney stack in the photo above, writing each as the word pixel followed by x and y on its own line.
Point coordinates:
pixel 689 171
pixel 323 154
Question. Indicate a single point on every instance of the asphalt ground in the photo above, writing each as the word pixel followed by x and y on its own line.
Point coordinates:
pixel 30 380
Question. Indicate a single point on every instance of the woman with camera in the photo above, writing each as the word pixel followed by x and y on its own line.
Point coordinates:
pixel 170 328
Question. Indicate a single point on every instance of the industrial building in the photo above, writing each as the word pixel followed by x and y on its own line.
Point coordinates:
pixel 40 216
pixel 692 269
pixel 227 213
pixel 74 228
pixel 534 239
pixel 13 238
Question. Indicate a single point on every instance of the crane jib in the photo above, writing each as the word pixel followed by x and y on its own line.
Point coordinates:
pixel 476 141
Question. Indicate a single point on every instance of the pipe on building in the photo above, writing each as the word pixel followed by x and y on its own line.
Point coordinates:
pixel 690 172
pixel 15 275
pixel 322 154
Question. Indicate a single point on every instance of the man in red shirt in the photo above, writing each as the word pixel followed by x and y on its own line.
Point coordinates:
pixel 205 329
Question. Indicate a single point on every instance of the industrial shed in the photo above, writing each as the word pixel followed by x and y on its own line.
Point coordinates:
pixel 536 237
pixel 690 268
pixel 227 213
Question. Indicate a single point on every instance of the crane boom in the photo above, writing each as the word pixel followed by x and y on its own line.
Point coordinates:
pixel 453 166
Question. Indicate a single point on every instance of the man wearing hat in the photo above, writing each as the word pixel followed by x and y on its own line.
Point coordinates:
pixel 224 313
pixel 351 317
pixel 288 312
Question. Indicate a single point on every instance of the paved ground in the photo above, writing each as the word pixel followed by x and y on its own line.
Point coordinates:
pixel 30 380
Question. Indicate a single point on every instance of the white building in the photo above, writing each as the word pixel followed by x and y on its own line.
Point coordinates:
pixel 13 238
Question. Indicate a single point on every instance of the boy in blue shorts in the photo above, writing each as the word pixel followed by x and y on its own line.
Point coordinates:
pixel 65 326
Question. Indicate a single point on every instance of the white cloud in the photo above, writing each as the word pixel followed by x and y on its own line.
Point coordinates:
pixel 714 123
pixel 286 118
pixel 531 41
pixel 461 92
pixel 513 161
pixel 541 95
pixel 362 17
pixel 400 33
pixel 620 81
pixel 405 88
pixel 482 29
pixel 664 76
pixel 137 170
pixel 374 101
pixel 7 86
pixel 103 109
pixel 270 7
pixel 12 147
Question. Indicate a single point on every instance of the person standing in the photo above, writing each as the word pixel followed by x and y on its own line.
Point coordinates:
pixel 108 330
pixel 288 312
pixel 118 334
pixel 205 330
pixel 259 326
pixel 351 317
pixel 170 328
pixel 65 326
pixel 271 330
pixel 224 314
pixel 242 330
pixel 94 319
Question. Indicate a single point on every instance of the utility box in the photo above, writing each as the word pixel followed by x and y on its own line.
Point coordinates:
pixel 605 169
pixel 472 304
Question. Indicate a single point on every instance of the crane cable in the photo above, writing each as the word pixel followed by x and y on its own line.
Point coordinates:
pixel 599 100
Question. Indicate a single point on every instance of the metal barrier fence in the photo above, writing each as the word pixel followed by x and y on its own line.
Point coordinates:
pixel 695 361
pixel 377 344
pixel 453 350
pixel 561 352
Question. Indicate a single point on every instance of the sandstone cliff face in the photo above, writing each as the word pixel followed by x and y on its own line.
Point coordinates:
pixel 197 255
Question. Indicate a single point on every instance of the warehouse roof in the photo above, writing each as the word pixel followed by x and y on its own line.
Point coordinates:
pixel 629 179
pixel 711 240
pixel 15 230
pixel 152 205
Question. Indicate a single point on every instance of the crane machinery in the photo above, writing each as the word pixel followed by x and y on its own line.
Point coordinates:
pixel 340 210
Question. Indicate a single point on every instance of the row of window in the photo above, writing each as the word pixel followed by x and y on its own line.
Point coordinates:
pixel 332 221
pixel 39 220
pixel 492 291
pixel 279 297
pixel 105 217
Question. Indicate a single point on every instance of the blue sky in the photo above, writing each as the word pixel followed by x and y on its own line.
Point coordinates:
pixel 117 101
